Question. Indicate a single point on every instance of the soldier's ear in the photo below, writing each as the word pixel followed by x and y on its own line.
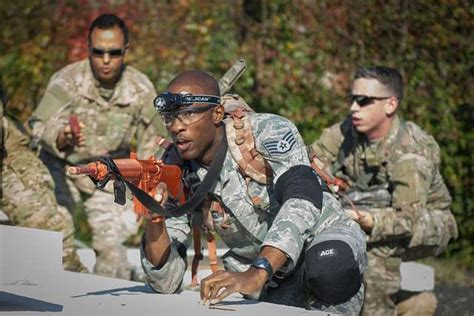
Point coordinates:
pixel 391 106
pixel 218 114
pixel 125 49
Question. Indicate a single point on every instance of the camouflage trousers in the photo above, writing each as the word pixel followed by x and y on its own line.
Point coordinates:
pixel 382 291
pixel 28 201
pixel 111 223
pixel 382 281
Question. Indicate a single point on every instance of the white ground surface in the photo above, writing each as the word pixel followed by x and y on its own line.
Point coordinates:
pixel 32 282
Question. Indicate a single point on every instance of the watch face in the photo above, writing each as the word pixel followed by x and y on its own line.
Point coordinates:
pixel 262 263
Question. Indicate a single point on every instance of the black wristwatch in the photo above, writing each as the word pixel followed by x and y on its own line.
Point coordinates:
pixel 263 263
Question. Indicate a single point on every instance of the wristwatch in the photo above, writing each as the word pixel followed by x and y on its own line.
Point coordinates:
pixel 263 263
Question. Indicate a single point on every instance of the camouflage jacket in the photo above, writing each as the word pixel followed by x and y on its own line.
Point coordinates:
pixel 246 227
pixel 14 141
pixel 28 169
pixel 396 179
pixel 116 121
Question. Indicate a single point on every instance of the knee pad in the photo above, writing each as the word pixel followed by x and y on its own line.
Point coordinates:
pixel 333 273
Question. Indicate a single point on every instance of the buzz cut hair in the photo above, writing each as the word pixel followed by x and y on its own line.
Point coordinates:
pixel 107 21
pixel 389 77
pixel 199 78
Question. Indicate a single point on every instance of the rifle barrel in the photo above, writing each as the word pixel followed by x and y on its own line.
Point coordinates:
pixel 81 170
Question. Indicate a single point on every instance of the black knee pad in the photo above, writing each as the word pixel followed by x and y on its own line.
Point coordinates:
pixel 333 273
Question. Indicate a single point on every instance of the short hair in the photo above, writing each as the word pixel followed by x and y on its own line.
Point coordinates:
pixel 107 21
pixel 389 77
pixel 200 78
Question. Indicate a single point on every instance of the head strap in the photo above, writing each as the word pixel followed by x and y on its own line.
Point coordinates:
pixel 168 101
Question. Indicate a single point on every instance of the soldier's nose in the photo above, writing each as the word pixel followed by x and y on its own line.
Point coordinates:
pixel 106 58
pixel 354 106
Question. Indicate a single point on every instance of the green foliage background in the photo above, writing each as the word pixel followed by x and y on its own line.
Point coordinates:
pixel 300 54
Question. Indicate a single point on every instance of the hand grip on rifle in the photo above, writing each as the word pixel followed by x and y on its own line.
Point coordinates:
pixel 75 126
pixel 145 174
pixel 71 134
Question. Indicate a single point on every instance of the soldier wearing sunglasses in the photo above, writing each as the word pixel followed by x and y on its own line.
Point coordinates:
pixel 112 101
pixel 396 192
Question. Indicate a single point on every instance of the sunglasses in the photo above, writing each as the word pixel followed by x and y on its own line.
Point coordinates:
pixel 363 100
pixel 116 52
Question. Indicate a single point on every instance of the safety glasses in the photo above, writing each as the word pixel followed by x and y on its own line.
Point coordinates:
pixel 186 116
pixel 363 100
pixel 113 53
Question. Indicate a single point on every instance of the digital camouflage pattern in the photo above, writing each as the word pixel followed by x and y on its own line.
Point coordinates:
pixel 398 181
pixel 28 193
pixel 246 227
pixel 116 122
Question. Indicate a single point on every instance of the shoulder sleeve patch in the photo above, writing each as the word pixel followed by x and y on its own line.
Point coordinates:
pixel 282 145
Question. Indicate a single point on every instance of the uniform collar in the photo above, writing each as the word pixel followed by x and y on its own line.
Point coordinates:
pixel 124 92
pixel 380 150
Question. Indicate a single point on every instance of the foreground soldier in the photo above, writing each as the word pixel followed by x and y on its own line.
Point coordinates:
pixel 392 169
pixel 27 190
pixel 112 102
pixel 289 242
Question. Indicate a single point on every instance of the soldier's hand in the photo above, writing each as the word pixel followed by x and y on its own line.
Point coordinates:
pixel 66 137
pixel 363 218
pixel 161 197
pixel 221 284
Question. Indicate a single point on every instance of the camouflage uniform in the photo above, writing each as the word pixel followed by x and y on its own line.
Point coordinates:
pixel 246 227
pixel 116 120
pixel 397 180
pixel 28 197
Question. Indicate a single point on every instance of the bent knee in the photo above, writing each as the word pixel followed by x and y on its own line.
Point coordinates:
pixel 333 273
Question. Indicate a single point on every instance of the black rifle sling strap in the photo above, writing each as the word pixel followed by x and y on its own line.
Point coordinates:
pixel 201 192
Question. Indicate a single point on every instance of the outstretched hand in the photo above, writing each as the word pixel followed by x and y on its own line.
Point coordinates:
pixel 221 284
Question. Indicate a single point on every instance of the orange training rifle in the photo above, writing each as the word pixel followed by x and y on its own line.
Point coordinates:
pixel 142 174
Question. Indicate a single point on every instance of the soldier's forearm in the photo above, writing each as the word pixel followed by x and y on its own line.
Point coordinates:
pixel 275 256
pixel 157 243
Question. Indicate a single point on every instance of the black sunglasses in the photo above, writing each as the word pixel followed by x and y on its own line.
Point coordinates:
pixel 364 100
pixel 116 52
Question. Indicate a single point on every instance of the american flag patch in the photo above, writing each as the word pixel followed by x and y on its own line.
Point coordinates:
pixel 281 146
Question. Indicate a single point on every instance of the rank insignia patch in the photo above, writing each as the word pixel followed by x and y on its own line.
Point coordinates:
pixel 281 146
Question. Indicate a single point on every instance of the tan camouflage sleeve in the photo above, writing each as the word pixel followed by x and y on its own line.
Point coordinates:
pixel 437 225
pixel 51 129
pixel 45 120
pixel 150 126
pixel 327 146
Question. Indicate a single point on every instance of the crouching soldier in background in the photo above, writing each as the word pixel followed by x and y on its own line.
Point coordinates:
pixel 28 190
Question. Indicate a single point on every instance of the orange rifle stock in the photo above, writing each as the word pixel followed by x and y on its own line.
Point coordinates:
pixel 145 174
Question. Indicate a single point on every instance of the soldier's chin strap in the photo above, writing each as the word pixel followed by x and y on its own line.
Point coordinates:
pixel 150 203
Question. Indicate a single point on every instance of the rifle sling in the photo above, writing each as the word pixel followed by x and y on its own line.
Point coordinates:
pixel 201 192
